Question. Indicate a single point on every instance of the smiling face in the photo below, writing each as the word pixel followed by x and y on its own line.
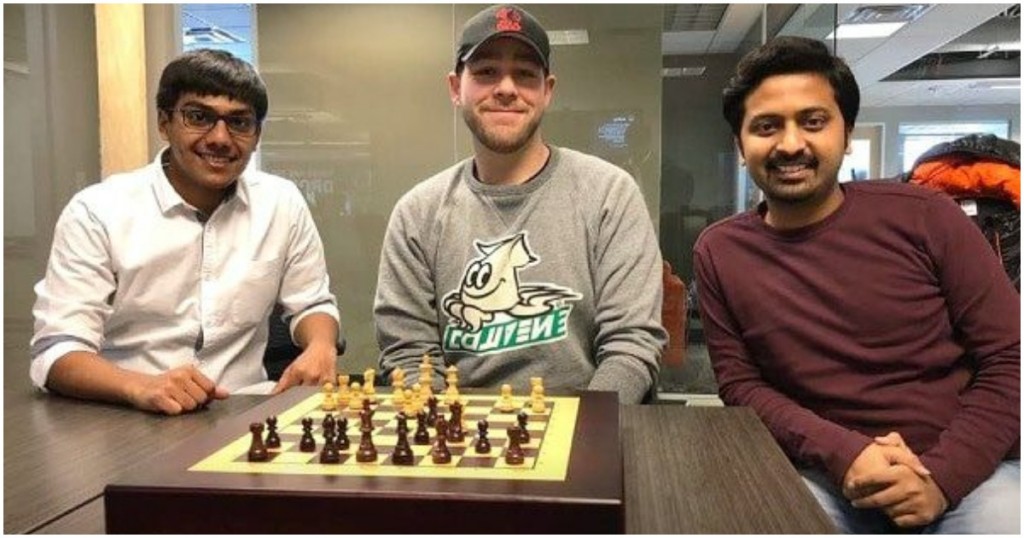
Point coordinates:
pixel 204 164
pixel 503 91
pixel 793 139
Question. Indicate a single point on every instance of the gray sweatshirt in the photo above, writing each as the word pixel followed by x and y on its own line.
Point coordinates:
pixel 559 277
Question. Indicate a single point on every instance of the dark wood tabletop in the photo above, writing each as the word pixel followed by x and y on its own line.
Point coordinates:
pixel 686 470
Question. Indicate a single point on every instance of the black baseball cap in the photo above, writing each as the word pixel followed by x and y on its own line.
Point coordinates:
pixel 502 21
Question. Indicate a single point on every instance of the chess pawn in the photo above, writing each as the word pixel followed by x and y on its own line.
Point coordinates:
pixel 369 385
pixel 343 391
pixel 537 398
pixel 483 445
pixel 506 404
pixel 524 434
pixel 257 451
pixel 329 454
pixel 328 403
pixel 440 453
pixel 273 439
pixel 341 427
pixel 422 436
pixel 355 401
pixel 307 443
pixel 514 454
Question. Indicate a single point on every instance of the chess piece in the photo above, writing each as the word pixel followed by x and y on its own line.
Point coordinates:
pixel 402 454
pixel 307 443
pixel 343 392
pixel 398 398
pixel 455 431
pixel 355 401
pixel 410 407
pixel 257 451
pixel 440 453
pixel 327 426
pixel 426 377
pixel 329 454
pixel 483 445
pixel 537 395
pixel 341 427
pixel 398 387
pixel 524 435
pixel 506 404
pixel 367 452
pixel 328 403
pixel 273 439
pixel 432 411
pixel 422 436
pixel 451 394
pixel 366 417
pixel 514 454
pixel 369 385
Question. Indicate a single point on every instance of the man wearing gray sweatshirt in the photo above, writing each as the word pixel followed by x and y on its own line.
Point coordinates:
pixel 526 259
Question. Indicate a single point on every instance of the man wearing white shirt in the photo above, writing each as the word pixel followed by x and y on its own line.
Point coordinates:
pixel 160 281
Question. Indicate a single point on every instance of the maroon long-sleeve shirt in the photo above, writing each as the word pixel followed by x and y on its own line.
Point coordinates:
pixel 892 314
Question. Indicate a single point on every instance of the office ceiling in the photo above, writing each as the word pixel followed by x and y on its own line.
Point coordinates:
pixel 950 54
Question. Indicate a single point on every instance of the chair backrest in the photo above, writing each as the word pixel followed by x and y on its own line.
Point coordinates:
pixel 673 317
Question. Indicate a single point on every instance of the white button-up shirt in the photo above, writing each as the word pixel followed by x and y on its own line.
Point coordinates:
pixel 136 276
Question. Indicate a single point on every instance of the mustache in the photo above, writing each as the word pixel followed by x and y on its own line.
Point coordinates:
pixel 792 160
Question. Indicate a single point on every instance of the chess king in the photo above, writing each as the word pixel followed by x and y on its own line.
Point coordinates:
pixel 525 259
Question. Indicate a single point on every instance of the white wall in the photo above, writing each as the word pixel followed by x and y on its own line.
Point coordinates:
pixel 891 117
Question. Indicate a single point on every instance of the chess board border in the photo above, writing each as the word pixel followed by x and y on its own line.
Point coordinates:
pixel 161 496
pixel 551 462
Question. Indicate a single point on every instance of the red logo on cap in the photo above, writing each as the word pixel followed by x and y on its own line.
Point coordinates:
pixel 508 20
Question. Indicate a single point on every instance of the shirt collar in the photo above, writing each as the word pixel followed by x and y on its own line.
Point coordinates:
pixel 168 199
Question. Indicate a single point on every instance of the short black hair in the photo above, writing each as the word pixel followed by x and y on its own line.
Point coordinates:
pixel 788 55
pixel 212 72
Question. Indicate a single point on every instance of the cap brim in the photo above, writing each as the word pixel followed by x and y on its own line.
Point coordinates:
pixel 514 35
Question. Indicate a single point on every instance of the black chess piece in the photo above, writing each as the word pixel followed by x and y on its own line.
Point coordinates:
pixel 341 428
pixel 273 439
pixel 307 443
pixel 366 419
pixel 402 454
pixel 455 431
pixel 514 454
pixel 432 411
pixel 329 454
pixel 422 436
pixel 328 427
pixel 257 451
pixel 367 452
pixel 524 434
pixel 483 445
pixel 440 453
pixel 441 426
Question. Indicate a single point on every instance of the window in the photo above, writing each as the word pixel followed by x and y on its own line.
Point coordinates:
pixel 917 138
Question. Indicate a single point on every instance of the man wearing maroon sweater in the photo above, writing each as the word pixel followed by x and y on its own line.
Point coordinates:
pixel 868 324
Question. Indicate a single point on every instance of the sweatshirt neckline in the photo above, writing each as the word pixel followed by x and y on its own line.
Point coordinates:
pixel 537 181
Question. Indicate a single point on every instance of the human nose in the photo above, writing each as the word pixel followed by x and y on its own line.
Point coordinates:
pixel 506 87
pixel 219 132
pixel 792 141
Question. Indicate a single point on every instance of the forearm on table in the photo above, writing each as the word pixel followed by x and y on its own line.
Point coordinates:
pixel 84 374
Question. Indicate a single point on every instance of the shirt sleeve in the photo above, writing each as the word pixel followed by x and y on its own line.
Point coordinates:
pixel 404 308
pixel 628 294
pixel 984 309
pixel 806 438
pixel 305 285
pixel 74 298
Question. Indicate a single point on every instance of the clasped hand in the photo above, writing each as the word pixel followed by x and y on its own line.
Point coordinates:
pixel 888 476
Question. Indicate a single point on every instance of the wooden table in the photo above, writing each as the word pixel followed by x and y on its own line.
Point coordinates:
pixel 686 470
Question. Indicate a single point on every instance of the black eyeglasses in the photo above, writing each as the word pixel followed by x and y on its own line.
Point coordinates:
pixel 203 120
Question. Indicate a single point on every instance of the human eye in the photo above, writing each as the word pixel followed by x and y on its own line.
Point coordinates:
pixel 816 122
pixel 762 127
pixel 241 124
pixel 198 117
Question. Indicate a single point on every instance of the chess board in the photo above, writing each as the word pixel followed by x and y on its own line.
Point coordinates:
pixel 546 454
pixel 570 481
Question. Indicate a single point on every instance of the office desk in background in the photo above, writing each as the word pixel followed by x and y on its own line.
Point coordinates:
pixel 687 470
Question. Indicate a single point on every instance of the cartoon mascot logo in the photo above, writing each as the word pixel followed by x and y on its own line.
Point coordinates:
pixel 492 311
